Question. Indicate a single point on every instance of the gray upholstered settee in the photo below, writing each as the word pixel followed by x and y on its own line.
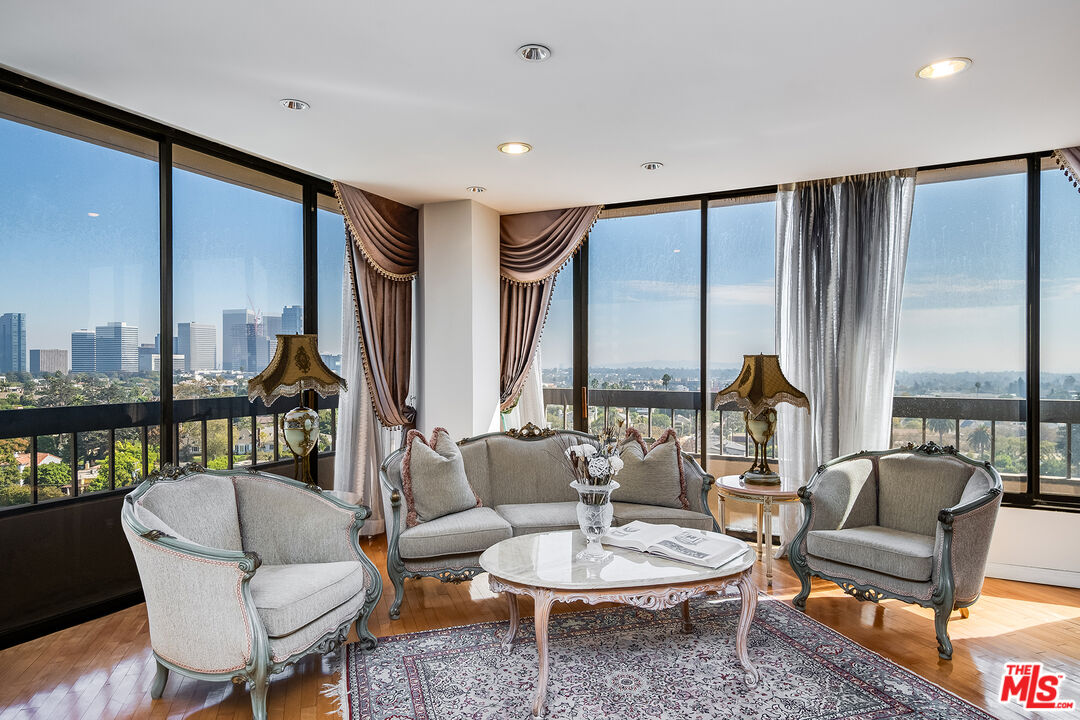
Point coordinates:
pixel 912 523
pixel 245 572
pixel 524 487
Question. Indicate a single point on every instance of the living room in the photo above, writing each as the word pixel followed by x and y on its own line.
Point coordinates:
pixel 567 361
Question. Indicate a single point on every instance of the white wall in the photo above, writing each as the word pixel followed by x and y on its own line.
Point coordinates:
pixel 458 318
pixel 1036 546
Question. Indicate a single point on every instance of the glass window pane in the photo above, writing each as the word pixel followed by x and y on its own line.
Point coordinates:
pixel 742 299
pixel 961 353
pixel 331 266
pixel 81 201
pixel 644 315
pixel 238 273
pixel 15 465
pixel 556 353
pixel 1059 342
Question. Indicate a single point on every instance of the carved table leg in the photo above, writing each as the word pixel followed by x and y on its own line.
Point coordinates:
pixel 508 642
pixel 766 531
pixel 748 594
pixel 687 626
pixel 723 513
pixel 543 599
pixel 759 509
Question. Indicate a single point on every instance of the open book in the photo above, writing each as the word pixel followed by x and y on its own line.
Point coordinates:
pixel 698 547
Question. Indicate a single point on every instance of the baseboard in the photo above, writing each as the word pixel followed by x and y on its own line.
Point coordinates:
pixel 1025 573
pixel 39 628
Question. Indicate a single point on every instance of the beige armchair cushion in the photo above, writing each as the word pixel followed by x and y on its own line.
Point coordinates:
pixel 893 552
pixel 201 508
pixel 912 489
pixel 288 597
pixel 470 531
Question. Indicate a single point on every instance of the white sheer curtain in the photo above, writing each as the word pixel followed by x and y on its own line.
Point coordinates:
pixel 841 250
pixel 362 443
pixel 530 406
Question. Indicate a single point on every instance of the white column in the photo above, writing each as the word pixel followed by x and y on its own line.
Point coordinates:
pixel 458 318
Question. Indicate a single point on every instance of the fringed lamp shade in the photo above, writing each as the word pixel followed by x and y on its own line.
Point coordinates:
pixel 760 385
pixel 297 366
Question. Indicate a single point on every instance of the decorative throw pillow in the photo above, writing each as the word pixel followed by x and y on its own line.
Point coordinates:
pixel 433 478
pixel 653 476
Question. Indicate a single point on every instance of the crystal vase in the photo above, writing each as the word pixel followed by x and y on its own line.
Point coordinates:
pixel 594 513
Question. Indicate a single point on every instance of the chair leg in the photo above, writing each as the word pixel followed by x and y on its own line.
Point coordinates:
pixel 368 641
pixel 965 612
pixel 399 590
pixel 941 626
pixel 160 678
pixel 260 685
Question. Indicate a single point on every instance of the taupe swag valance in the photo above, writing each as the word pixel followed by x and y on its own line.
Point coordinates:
pixel 533 247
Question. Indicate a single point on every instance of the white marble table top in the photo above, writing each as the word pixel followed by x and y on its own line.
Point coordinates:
pixel 547 560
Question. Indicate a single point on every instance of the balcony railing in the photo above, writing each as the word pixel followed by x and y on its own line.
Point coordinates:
pixel 106 447
pixel 984 428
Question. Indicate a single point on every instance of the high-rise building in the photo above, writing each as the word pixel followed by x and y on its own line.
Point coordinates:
pixel 117 347
pixel 197 342
pixel 271 325
pixel 13 342
pixel 155 362
pixel 234 339
pixel 292 320
pixel 48 361
pixel 147 353
pixel 83 351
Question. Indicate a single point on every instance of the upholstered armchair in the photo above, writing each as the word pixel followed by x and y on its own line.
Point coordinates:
pixel 245 572
pixel 912 523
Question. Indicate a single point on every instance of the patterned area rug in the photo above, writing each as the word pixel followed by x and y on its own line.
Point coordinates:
pixel 633 664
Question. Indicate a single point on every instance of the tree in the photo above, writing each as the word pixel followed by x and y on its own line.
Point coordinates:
pixel 665 380
pixel 53 475
pixel 940 426
pixel 980 439
pixel 59 391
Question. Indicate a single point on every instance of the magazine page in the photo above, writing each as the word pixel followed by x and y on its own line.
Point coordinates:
pixel 699 547
pixel 638 535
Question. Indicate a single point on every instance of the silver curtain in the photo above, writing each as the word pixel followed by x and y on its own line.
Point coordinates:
pixel 841 250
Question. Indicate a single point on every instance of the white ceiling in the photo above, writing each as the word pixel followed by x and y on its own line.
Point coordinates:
pixel 409 99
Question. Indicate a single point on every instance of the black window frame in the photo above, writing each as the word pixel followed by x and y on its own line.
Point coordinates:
pixel 167 413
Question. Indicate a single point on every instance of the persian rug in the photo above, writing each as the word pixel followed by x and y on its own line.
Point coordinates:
pixel 623 663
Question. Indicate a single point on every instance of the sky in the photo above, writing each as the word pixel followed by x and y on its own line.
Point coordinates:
pixel 234 247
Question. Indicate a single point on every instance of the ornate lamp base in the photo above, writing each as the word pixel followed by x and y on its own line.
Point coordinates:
pixel 759 478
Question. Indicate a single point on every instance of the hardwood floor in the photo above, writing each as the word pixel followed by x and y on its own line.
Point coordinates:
pixel 103 668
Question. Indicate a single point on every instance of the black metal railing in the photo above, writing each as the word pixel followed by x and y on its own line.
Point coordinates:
pixel 107 447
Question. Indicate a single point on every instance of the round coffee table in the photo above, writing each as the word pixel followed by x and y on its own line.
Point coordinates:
pixel 544 566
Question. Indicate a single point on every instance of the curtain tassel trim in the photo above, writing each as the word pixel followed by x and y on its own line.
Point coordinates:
pixel 1071 173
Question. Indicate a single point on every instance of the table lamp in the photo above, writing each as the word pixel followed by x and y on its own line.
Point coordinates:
pixel 758 389
pixel 296 367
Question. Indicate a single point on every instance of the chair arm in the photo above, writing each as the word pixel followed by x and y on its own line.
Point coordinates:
pixel 393 498
pixel 698 484
pixel 202 617
pixel 966 529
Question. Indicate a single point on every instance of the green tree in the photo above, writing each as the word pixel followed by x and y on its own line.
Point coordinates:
pixel 53 475
pixel 979 439
pixel 940 426
pixel 665 380
pixel 59 390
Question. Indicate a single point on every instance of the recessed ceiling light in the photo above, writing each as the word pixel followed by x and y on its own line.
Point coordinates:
pixel 652 165
pixel 476 189
pixel 294 104
pixel 944 68
pixel 534 53
pixel 515 148
pixel 92 214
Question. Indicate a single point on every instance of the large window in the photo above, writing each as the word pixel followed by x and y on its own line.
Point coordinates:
pixel 79 226
pixel 556 353
pixel 644 319
pixel 742 300
pixel 1059 344
pixel 961 355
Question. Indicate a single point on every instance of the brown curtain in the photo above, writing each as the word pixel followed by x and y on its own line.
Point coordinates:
pixel 1069 161
pixel 383 258
pixel 533 247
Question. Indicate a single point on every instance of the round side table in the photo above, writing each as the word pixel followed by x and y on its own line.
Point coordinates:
pixel 764 496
